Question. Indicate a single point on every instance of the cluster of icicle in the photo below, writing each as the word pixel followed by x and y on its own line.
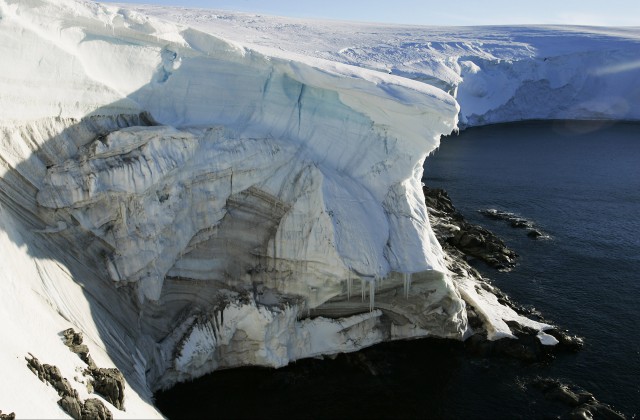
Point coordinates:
pixel 373 284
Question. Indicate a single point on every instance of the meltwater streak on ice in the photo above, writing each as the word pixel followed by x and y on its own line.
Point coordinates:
pixel 581 183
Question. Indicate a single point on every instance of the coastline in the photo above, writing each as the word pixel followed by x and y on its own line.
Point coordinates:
pixel 375 366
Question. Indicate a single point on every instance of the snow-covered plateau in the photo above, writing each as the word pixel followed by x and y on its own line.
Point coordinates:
pixel 203 190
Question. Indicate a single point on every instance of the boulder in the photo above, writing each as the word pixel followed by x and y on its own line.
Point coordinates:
pixel 10 416
pixel 71 405
pixel 109 382
pixel 582 403
pixel 94 409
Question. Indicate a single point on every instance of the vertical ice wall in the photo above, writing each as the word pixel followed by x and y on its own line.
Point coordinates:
pixel 358 139
pixel 222 191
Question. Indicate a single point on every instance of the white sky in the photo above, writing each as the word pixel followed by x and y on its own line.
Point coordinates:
pixel 442 12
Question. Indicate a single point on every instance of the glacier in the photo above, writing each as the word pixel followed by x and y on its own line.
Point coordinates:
pixel 497 73
pixel 192 196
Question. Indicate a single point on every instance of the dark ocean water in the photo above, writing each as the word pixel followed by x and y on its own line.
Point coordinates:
pixel 579 183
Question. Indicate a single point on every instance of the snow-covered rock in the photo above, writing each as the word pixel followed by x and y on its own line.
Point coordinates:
pixel 191 203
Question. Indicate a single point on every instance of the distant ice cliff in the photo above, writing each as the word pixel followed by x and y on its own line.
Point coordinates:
pixel 497 73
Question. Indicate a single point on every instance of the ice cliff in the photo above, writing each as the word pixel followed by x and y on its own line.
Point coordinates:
pixel 497 74
pixel 190 203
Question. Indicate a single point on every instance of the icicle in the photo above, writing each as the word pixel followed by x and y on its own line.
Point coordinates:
pixel 404 284
pixel 406 279
pixel 362 289
pixel 372 295
pixel 349 287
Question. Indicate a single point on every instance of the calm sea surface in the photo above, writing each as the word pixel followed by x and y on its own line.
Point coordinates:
pixel 578 183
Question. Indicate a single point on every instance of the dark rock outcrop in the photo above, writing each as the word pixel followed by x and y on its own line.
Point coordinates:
pixel 94 409
pixel 535 234
pixel 437 199
pixel 472 240
pixel 108 382
pixel 10 416
pixel 73 340
pixel 51 374
pixel 481 243
pixel 91 409
pixel 515 221
pixel 72 406
pixel 580 403
pixel 460 240
pixel 566 341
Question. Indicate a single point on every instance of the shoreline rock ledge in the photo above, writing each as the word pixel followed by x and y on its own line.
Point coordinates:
pixel 463 241
pixel 472 240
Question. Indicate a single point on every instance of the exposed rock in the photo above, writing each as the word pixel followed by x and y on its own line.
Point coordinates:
pixel 526 348
pixel 109 382
pixel 71 405
pixel 567 341
pixel 459 239
pixel 581 403
pixel 438 199
pixel 94 409
pixel 91 409
pixel 10 416
pixel 535 234
pixel 73 340
pixel 470 239
pixel 51 374
pixel 515 222
pixel 481 243
pixel 595 410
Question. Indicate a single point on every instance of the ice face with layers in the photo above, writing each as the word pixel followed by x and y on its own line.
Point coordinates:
pixel 229 192
pixel 336 158
pixel 191 204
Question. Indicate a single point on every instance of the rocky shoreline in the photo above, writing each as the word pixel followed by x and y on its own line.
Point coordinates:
pixel 463 241
pixel 376 366
pixel 472 241
pixel 515 221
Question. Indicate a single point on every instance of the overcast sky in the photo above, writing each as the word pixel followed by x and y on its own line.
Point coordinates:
pixel 443 12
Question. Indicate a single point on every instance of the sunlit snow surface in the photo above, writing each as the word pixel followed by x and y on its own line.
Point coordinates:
pixel 498 73
pixel 192 203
